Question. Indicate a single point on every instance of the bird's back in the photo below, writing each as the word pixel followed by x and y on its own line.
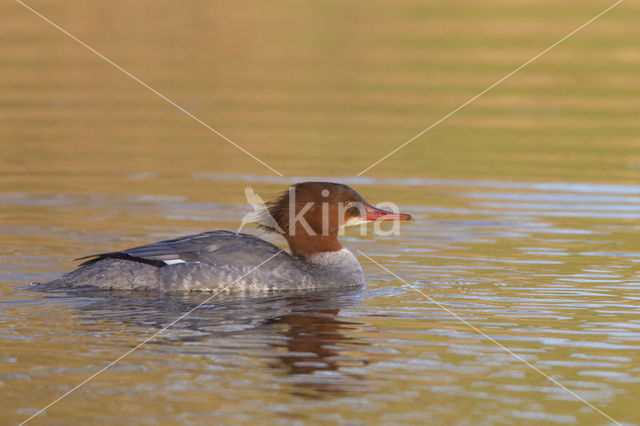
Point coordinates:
pixel 212 261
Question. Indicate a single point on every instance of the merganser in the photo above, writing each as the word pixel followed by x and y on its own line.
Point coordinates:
pixel 309 216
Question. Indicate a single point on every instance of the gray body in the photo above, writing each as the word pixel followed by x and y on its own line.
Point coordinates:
pixel 216 261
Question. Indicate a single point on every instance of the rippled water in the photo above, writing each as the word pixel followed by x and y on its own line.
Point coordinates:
pixel 551 271
pixel 523 226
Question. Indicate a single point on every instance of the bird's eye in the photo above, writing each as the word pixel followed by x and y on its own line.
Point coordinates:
pixel 349 204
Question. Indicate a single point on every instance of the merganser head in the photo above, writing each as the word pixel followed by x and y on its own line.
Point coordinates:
pixel 310 214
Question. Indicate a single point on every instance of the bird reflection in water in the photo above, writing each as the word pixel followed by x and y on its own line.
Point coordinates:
pixel 315 345
pixel 306 339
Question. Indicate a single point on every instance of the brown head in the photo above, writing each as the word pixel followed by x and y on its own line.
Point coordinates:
pixel 310 214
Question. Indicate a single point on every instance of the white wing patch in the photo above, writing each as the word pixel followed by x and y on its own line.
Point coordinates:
pixel 173 261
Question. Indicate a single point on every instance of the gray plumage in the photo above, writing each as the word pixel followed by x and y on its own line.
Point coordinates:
pixel 212 261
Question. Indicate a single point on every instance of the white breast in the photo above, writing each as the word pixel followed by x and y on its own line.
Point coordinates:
pixel 341 261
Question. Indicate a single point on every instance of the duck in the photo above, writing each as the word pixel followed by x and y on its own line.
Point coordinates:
pixel 309 215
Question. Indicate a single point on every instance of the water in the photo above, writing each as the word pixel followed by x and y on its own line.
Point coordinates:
pixel 526 203
pixel 549 271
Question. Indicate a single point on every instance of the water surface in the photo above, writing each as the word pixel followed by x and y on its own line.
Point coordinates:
pixel 551 272
pixel 526 203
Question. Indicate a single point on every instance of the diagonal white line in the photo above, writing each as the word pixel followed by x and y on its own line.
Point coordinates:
pixel 500 345
pixel 490 87
pixel 115 361
pixel 142 83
